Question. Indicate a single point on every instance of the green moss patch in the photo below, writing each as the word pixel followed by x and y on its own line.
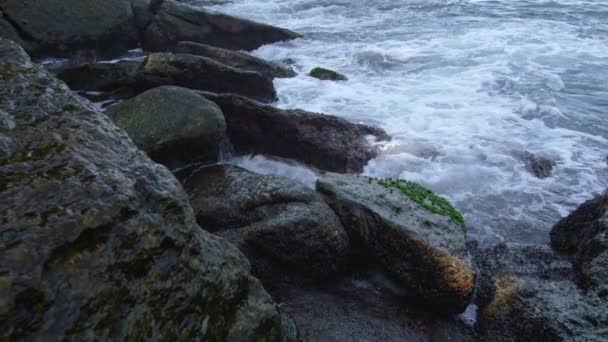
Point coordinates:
pixel 425 197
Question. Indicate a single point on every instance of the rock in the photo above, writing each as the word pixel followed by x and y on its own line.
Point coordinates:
pixel 99 243
pixel 324 141
pixel 584 233
pixel 418 237
pixel 283 227
pixel 175 22
pixel 8 31
pixel 173 125
pixel 160 69
pixel 536 298
pixel 327 75
pixel 236 59
pixel 539 166
pixel 59 26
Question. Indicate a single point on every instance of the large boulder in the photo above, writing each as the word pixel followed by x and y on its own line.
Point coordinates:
pixel 323 141
pixel 60 25
pixel 536 298
pixel 236 59
pixel 584 233
pixel 97 242
pixel 283 227
pixel 174 22
pixel 189 71
pixel 174 125
pixel 416 235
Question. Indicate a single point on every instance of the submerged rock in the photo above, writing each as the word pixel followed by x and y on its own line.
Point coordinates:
pixel 60 26
pixel 327 75
pixel 175 22
pixel 283 227
pixel 323 141
pixel 160 69
pixel 236 59
pixel 174 125
pixel 584 233
pixel 416 236
pixel 97 242
pixel 539 166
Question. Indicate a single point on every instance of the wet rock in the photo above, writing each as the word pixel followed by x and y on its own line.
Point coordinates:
pixel 327 75
pixel 283 227
pixel 539 166
pixel 174 22
pixel 323 141
pixel 60 26
pixel 160 69
pixel 236 59
pixel 174 125
pixel 584 233
pixel 536 298
pixel 414 236
pixel 99 243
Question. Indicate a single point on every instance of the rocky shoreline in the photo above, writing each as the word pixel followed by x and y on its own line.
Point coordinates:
pixel 101 241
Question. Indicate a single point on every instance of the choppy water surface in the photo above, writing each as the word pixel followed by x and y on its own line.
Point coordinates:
pixel 463 87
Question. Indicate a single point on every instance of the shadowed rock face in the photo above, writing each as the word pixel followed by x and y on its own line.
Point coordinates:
pixel 323 141
pixel 99 243
pixel 189 71
pixel 174 22
pixel 283 227
pixel 426 252
pixel 174 125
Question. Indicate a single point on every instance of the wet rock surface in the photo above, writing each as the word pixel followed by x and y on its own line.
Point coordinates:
pixel 424 251
pixel 236 59
pixel 173 125
pixel 327 75
pixel 97 242
pixel 174 22
pixel 283 227
pixel 323 141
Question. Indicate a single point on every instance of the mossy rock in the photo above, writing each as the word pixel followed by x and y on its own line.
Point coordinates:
pixel 327 75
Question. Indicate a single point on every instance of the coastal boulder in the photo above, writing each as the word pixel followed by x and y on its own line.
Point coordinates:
pixel 189 71
pixel 324 141
pixel 58 26
pixel 97 242
pixel 283 227
pixel 236 59
pixel 326 74
pixel 173 125
pixel 416 235
pixel 174 22
pixel 584 233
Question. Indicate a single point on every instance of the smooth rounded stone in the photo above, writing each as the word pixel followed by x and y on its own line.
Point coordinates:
pixel 584 233
pixel 61 25
pixel 189 71
pixel 283 227
pixel 97 242
pixel 536 298
pixel 327 75
pixel 173 125
pixel 175 22
pixel 236 59
pixel 323 141
pixel 426 252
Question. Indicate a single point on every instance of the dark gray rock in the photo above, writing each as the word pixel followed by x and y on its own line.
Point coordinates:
pixel 426 252
pixel 539 166
pixel 323 141
pixel 189 71
pixel 536 298
pixel 584 233
pixel 175 22
pixel 236 59
pixel 97 242
pixel 283 227
pixel 327 75
pixel 60 26
pixel 173 125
